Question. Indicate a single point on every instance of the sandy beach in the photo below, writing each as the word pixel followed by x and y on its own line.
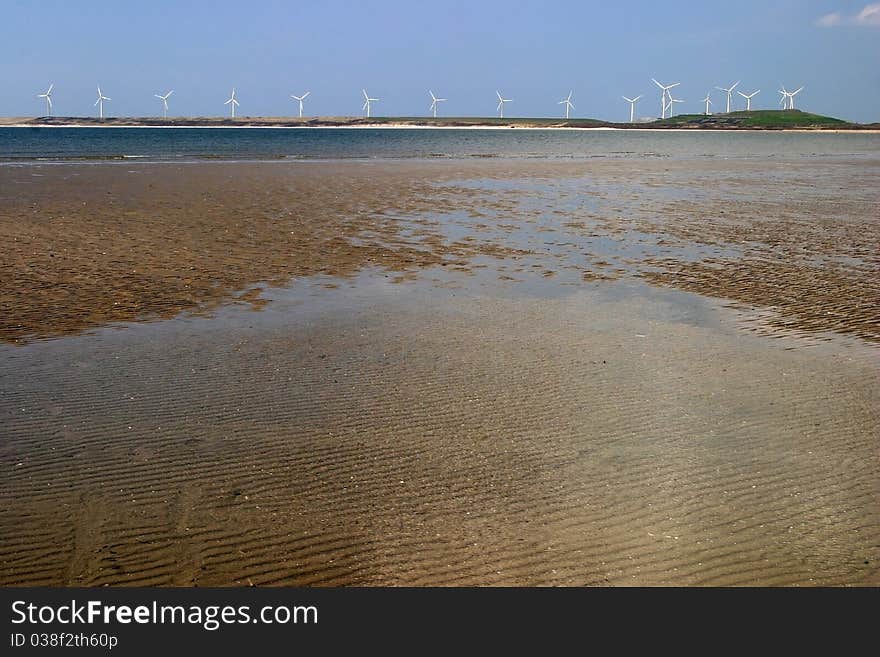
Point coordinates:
pixel 459 372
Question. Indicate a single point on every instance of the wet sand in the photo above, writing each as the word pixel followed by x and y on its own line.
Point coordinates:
pixel 492 373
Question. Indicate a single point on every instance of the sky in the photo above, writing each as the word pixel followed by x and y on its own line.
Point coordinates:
pixel 533 52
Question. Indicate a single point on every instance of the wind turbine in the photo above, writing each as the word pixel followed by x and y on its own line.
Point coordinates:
pixel 672 100
pixel 232 102
pixel 708 102
pixel 501 101
pixel 748 98
pixel 164 100
pixel 367 101
pixel 48 97
pixel 729 92
pixel 664 91
pixel 567 103
pixel 100 102
pixel 789 95
pixel 434 101
pixel 300 99
pixel 632 106
pixel 784 99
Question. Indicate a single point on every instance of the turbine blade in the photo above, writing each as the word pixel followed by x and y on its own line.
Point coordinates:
pixel 49 92
pixel 658 84
pixel 797 92
pixel 305 94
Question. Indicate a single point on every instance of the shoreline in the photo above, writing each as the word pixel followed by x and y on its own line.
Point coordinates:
pixel 466 127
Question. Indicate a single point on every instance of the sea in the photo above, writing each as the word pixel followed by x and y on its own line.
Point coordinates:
pixel 40 144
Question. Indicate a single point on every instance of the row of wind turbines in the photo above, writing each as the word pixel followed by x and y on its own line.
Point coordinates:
pixel 666 100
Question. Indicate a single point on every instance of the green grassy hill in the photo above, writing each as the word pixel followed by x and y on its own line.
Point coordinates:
pixel 756 119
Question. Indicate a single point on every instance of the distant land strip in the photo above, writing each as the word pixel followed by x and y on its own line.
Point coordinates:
pixel 754 120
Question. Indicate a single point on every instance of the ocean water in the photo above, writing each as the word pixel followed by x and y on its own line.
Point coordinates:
pixel 38 143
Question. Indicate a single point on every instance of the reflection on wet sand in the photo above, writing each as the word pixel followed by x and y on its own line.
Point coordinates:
pixel 460 373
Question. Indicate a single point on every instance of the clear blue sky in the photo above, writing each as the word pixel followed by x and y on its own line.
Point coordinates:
pixel 534 52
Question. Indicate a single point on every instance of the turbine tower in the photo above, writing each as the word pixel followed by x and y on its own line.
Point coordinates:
pixel 300 99
pixel 708 102
pixel 434 101
pixel 632 106
pixel 501 101
pixel 48 97
pixel 367 101
pixel 232 102
pixel 663 93
pixel 567 103
pixel 748 98
pixel 164 100
pixel 729 93
pixel 100 102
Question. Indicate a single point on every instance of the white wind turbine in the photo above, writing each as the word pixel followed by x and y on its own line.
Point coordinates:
pixel 48 97
pixel 300 99
pixel 632 106
pixel 501 101
pixel 100 102
pixel 708 102
pixel 367 101
pixel 672 100
pixel 567 103
pixel 784 100
pixel 232 102
pixel 748 98
pixel 788 96
pixel 434 101
pixel 729 92
pixel 663 93
pixel 164 100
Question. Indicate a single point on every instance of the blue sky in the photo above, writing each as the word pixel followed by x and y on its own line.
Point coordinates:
pixel 534 52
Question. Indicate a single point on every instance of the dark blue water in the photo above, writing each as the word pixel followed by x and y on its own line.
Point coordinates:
pixel 23 144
